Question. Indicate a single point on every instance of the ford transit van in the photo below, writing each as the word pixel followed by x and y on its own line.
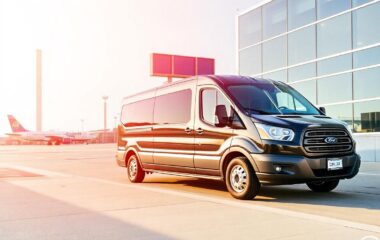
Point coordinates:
pixel 245 131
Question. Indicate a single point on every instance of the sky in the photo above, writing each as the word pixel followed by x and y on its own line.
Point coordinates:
pixel 92 48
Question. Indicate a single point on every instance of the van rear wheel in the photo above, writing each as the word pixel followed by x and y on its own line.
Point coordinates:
pixel 323 186
pixel 135 172
pixel 241 180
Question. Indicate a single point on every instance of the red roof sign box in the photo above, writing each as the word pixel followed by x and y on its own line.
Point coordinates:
pixel 166 65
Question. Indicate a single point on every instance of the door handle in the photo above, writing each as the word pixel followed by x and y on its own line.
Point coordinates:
pixel 188 130
pixel 199 130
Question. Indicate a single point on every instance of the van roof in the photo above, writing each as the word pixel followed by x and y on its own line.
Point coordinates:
pixel 226 80
pixel 222 80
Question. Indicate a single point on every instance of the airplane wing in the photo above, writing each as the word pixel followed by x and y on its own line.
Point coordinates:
pixel 13 134
pixel 56 138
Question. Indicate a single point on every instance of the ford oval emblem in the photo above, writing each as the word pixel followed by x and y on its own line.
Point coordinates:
pixel 331 140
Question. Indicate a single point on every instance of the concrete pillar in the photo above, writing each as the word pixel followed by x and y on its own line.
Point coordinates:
pixel 38 90
pixel 105 98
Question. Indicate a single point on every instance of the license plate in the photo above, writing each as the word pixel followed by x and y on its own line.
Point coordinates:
pixel 334 163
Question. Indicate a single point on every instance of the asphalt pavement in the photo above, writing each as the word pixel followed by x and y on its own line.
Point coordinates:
pixel 78 192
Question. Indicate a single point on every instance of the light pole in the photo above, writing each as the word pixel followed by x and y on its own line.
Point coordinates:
pixel 105 98
pixel 82 124
pixel 115 129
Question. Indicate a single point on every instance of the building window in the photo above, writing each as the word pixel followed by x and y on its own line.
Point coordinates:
pixel 356 3
pixel 367 57
pixel 307 89
pixel 367 116
pixel 334 35
pixel 328 88
pixel 301 45
pixel 367 83
pixel 173 107
pixel 302 72
pixel 366 23
pixel 301 12
pixel 342 112
pixel 250 61
pixel 278 75
pixel 274 18
pixel 138 113
pixel 326 8
pixel 250 28
pixel 274 54
pixel 335 64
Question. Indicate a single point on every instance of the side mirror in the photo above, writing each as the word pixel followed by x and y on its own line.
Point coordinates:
pixel 322 110
pixel 221 116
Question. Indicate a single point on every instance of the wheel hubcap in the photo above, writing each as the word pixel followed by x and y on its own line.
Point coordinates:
pixel 133 168
pixel 238 179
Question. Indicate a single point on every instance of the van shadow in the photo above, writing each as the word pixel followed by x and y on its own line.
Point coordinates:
pixel 295 194
pixel 25 214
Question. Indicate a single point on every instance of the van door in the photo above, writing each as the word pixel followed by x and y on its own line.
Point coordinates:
pixel 212 131
pixel 174 128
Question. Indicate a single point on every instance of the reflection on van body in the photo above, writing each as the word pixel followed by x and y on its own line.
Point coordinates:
pixel 244 131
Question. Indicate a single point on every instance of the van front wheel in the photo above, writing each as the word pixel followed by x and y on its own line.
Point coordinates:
pixel 135 173
pixel 323 186
pixel 241 180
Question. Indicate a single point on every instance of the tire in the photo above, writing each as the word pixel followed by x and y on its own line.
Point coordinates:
pixel 323 186
pixel 135 173
pixel 241 180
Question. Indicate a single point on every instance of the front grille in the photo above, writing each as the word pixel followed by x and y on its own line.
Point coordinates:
pixel 315 141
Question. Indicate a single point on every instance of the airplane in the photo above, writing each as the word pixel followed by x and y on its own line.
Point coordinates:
pixel 82 137
pixel 51 138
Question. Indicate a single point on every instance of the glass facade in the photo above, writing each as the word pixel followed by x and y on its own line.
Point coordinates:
pixel 329 50
pixel 334 35
pixel 301 45
pixel 274 54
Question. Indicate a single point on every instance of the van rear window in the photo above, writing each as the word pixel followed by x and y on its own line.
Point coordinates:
pixel 138 113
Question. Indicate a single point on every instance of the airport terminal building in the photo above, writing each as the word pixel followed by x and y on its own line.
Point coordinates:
pixel 329 50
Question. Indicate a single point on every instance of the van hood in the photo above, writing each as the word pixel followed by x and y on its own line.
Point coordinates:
pixel 298 122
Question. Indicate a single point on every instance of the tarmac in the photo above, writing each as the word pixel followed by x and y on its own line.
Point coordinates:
pixel 78 192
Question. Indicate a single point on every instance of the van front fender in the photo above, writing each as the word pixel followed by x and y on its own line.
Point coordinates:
pixel 240 146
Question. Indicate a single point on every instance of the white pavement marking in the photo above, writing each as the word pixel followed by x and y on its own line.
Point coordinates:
pixel 34 170
pixel 370 174
pixel 218 200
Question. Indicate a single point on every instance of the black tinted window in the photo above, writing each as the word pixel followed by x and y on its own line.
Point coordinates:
pixel 271 98
pixel 173 107
pixel 138 113
pixel 210 99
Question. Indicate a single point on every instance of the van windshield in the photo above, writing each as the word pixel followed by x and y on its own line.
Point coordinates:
pixel 271 98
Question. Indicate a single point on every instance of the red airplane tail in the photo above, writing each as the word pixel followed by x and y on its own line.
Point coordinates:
pixel 15 125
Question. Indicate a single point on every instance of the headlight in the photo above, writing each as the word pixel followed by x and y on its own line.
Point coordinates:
pixel 274 133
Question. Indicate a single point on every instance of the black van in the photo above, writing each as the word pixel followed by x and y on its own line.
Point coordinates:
pixel 242 130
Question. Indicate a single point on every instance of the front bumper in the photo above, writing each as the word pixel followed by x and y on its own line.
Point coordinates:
pixel 300 169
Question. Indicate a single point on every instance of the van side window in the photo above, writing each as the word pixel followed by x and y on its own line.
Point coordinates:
pixel 211 102
pixel 173 107
pixel 138 113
